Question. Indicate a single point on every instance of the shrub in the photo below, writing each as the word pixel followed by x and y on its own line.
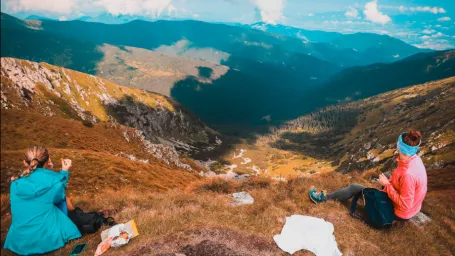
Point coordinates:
pixel 218 185
pixel 87 123
pixel 257 182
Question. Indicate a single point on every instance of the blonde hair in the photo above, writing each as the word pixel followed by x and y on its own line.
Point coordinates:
pixel 36 157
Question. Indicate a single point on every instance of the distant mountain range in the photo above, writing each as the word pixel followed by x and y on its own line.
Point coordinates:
pixel 36 17
pixel 111 19
pixel 227 75
pixel 341 49
pixel 266 74
pixel 360 82
pixel 364 48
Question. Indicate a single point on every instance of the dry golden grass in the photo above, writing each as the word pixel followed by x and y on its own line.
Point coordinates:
pixel 171 220
pixel 95 86
pixel 93 151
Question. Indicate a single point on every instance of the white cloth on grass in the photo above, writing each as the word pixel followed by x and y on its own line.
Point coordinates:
pixel 309 233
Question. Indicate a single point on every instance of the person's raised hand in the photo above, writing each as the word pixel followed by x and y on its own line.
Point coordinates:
pixel 383 180
pixel 50 165
pixel 66 164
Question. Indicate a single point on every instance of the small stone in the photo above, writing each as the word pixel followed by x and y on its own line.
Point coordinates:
pixel 420 219
pixel 242 198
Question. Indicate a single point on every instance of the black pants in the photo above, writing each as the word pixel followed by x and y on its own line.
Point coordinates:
pixel 349 192
pixel 346 193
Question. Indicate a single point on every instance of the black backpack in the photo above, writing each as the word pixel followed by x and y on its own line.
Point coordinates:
pixel 89 222
pixel 378 208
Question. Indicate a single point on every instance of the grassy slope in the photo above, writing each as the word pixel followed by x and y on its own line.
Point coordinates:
pixel 345 135
pixel 95 148
pixel 172 220
pixel 334 138
pixel 93 151
pixel 152 71
pixel 99 149
pixel 92 85
pixel 73 90
pixel 168 220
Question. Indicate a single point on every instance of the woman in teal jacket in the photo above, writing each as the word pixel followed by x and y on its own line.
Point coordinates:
pixel 38 225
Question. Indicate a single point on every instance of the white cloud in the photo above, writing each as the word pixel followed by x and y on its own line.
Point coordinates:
pixel 271 11
pixel 352 12
pixel 444 19
pixel 439 34
pixel 434 10
pixel 381 32
pixel 425 37
pixel 373 14
pixel 62 18
pixel 344 22
pixel 54 6
pixel 438 44
pixel 152 8
pixel 429 31
pixel 406 34
pixel 310 14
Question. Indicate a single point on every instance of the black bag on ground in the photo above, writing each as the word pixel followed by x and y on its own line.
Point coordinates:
pixel 89 222
pixel 378 208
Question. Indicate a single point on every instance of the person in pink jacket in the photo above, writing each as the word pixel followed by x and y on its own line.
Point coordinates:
pixel 406 187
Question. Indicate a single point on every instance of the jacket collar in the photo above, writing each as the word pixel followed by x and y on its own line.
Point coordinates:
pixel 406 161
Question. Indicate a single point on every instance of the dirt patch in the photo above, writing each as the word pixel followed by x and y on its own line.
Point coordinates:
pixel 211 242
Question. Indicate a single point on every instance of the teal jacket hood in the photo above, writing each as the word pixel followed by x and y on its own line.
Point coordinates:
pixel 36 185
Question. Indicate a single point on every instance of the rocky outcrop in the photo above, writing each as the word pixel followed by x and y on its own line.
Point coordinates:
pixel 163 125
pixel 158 123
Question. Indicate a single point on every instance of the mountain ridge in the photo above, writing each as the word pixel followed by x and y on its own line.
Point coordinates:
pixel 350 83
pixel 91 100
pixel 376 47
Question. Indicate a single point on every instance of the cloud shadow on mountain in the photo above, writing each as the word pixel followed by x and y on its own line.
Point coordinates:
pixel 43 47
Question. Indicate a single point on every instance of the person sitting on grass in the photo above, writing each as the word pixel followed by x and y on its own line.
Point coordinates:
pixel 406 187
pixel 39 206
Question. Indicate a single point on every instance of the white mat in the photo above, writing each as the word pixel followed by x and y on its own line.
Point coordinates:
pixel 308 233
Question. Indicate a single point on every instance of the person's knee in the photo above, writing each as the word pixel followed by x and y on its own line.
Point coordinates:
pixel 356 187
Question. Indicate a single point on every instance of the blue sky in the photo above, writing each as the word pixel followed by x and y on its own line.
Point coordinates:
pixel 425 24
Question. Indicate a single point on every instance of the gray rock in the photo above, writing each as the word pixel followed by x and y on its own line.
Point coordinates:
pixel 420 219
pixel 241 198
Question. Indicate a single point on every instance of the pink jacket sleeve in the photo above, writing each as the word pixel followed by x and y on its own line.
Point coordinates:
pixel 404 197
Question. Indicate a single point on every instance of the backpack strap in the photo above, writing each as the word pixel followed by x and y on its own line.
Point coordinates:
pixel 354 205
pixel 109 221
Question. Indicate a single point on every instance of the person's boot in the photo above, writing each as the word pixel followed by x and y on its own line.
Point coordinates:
pixel 317 197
